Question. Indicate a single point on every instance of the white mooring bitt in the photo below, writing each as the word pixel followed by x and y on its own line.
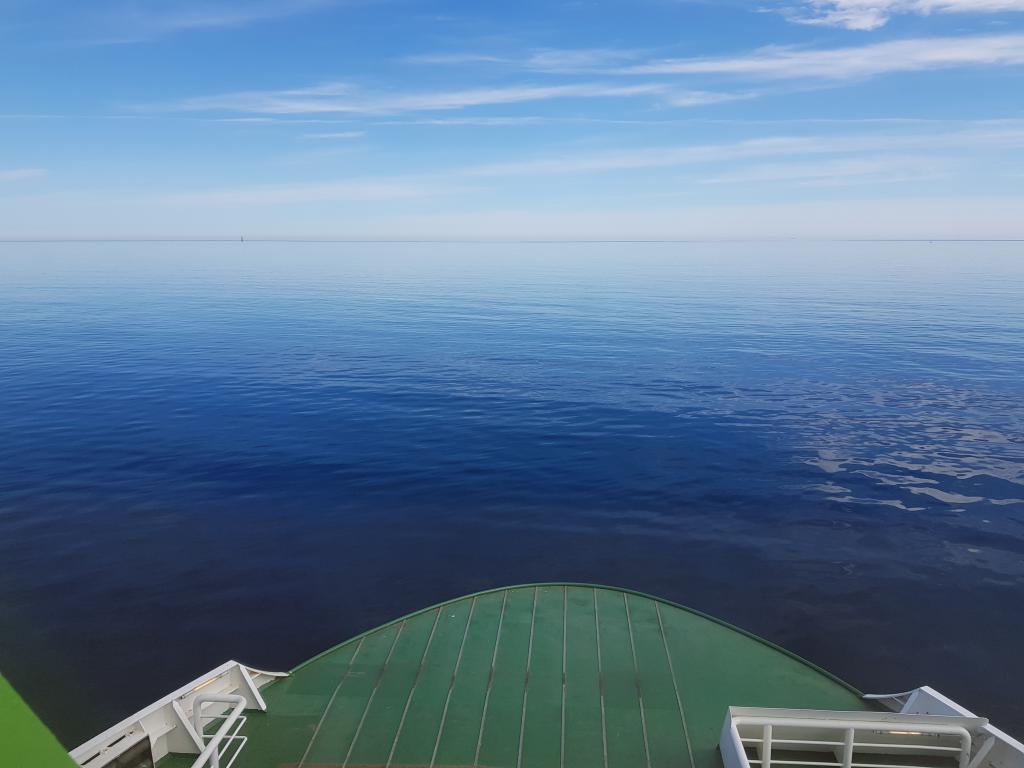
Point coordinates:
pixel 175 722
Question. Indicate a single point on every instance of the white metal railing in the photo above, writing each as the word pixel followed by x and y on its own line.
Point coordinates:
pixel 218 744
pixel 781 738
pixel 169 725
pixel 995 748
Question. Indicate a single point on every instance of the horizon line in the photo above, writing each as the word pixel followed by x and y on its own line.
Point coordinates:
pixel 497 240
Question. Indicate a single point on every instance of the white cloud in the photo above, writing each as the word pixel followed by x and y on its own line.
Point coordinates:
pixel 844 171
pixel 358 190
pixel 501 121
pixel 339 135
pixel 684 96
pixel 138 20
pixel 343 98
pixel 467 201
pixel 703 98
pixel 835 65
pixel 562 60
pixel 872 14
pixel 1008 135
pixel 577 59
pixel 20 174
pixel 456 59
pixel 910 55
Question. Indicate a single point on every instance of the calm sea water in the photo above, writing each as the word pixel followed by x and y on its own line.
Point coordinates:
pixel 254 451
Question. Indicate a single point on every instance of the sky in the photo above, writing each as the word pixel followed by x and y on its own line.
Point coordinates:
pixel 534 119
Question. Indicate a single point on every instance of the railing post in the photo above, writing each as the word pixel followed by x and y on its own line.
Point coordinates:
pixel 982 753
pixel 766 747
pixel 848 748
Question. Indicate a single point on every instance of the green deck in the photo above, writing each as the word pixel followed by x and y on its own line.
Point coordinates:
pixel 531 677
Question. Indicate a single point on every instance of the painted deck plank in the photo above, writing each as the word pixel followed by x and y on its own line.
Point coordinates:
pixel 461 727
pixel 296 705
pixel 384 712
pixel 342 717
pixel 665 729
pixel 415 744
pixel 584 741
pixel 542 727
pixel 499 739
pixel 623 715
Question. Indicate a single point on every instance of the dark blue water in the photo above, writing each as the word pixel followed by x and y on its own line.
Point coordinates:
pixel 254 451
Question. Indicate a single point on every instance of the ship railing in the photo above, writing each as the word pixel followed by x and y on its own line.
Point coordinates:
pixel 226 738
pixel 995 748
pixel 170 725
pixel 794 738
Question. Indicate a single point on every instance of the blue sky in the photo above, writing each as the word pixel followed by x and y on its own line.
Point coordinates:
pixel 547 119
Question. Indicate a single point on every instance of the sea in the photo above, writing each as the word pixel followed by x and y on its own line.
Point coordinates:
pixel 255 450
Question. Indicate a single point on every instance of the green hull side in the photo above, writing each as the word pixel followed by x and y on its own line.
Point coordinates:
pixel 26 741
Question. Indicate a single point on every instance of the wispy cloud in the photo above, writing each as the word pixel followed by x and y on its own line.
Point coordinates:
pixel 1005 135
pixel 137 20
pixel 343 98
pixel 339 135
pixel 845 171
pixel 554 60
pixel 909 55
pixel 746 122
pixel 872 14
pixel 456 58
pixel 20 174
pixel 356 190
pixel 264 120
pixel 578 59
pixel 796 160
pixel 703 98
pixel 499 121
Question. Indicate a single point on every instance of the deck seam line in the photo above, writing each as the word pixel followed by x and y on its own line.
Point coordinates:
pixel 639 685
pixel 600 678
pixel 490 680
pixel 412 690
pixel 373 693
pixel 565 630
pixel 330 703
pixel 675 686
pixel 526 682
pixel 451 684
